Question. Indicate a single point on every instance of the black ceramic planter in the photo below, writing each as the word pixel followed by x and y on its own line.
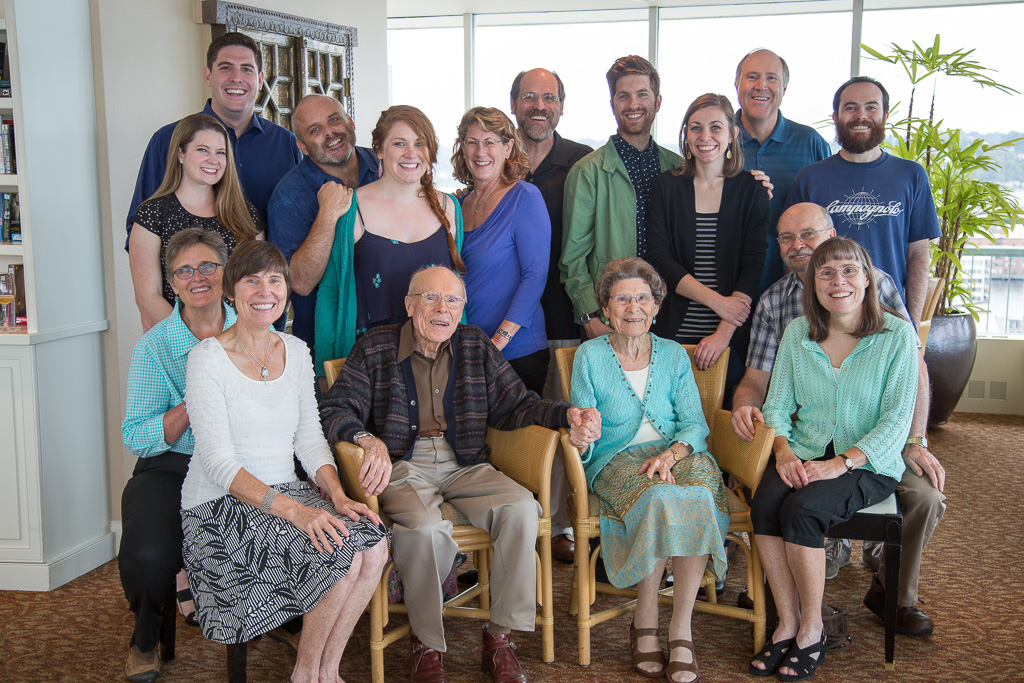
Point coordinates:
pixel 949 355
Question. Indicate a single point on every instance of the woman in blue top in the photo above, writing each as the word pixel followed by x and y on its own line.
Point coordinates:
pixel 661 493
pixel 848 371
pixel 156 428
pixel 507 243
pixel 394 227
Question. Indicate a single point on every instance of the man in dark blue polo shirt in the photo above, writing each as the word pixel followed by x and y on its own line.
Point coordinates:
pixel 772 143
pixel 264 151
pixel 311 198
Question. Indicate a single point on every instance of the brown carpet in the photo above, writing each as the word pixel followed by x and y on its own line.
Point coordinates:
pixel 972 585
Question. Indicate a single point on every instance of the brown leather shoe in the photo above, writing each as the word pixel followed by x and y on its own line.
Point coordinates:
pixel 498 657
pixel 142 667
pixel 562 548
pixel 910 621
pixel 427 664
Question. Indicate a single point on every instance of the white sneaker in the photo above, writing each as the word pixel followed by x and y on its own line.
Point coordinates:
pixel 837 555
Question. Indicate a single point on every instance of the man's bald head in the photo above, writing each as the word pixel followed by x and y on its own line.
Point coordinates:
pixel 325 131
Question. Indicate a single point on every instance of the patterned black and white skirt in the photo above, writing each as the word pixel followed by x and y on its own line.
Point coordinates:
pixel 250 572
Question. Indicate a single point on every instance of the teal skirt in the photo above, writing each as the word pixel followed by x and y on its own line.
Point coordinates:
pixel 646 520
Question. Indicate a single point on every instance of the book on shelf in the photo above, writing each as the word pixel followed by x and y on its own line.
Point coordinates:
pixel 15 217
pixel 18 315
pixel 5 88
pixel 7 143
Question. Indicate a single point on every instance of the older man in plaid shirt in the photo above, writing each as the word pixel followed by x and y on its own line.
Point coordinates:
pixel 801 229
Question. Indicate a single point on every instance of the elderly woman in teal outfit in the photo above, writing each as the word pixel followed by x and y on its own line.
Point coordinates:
pixel 661 493
pixel 394 227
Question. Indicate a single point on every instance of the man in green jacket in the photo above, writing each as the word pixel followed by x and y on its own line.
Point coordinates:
pixel 607 192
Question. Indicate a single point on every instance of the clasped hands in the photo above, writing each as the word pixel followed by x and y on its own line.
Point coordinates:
pixel 796 473
pixel 584 427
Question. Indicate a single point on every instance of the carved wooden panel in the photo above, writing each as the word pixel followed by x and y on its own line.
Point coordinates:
pixel 300 56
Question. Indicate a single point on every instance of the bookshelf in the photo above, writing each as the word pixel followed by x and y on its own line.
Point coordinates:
pixel 54 517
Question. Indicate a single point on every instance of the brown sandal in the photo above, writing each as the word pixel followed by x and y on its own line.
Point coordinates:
pixel 655 657
pixel 677 667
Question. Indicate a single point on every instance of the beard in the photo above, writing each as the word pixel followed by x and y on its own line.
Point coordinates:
pixel 537 131
pixel 857 143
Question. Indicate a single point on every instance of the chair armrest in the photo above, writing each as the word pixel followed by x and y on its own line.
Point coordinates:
pixel 349 458
pixel 525 455
pixel 744 460
pixel 577 479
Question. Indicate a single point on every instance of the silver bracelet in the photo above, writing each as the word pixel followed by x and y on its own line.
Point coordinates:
pixel 268 499
pixel 504 333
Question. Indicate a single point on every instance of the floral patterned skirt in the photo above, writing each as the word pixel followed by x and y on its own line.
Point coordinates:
pixel 645 520
pixel 250 571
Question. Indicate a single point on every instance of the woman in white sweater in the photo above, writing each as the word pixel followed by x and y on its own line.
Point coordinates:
pixel 260 546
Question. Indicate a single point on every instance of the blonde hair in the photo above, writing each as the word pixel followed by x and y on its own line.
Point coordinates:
pixel 229 207
pixel 491 120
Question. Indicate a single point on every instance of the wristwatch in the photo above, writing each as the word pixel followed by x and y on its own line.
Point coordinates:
pixel 359 435
pixel 587 317
pixel 675 454
pixel 849 465
pixel 921 441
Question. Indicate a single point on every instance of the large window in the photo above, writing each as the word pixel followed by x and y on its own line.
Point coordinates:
pixel 699 55
pixel 427 71
pixel 580 53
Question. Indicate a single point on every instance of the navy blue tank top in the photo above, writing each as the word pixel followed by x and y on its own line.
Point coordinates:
pixel 383 267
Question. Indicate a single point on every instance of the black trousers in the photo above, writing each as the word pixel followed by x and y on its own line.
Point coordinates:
pixel 533 369
pixel 803 516
pixel 150 554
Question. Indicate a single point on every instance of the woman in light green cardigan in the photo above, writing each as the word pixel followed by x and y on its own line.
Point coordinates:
pixel 848 371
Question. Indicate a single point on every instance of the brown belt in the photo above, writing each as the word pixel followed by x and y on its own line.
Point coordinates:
pixel 430 434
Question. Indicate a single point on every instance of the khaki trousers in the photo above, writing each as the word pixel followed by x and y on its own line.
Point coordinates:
pixel 923 506
pixel 423 547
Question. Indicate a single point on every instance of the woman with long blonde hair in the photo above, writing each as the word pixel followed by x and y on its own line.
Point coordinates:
pixel 200 189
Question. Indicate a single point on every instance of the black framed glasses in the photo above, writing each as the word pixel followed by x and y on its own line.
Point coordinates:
pixel 187 272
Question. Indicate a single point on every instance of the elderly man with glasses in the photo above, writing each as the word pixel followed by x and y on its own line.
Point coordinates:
pixel 418 397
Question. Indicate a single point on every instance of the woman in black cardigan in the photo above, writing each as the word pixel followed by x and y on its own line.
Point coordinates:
pixel 707 227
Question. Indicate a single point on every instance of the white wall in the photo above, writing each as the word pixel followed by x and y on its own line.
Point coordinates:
pixel 149 61
pixel 998 372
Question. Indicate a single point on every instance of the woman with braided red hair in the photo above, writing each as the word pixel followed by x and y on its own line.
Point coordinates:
pixel 395 226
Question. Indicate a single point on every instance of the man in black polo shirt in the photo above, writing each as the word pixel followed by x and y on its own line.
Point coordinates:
pixel 538 100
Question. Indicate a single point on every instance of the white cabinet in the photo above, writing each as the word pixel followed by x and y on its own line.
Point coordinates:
pixel 54 518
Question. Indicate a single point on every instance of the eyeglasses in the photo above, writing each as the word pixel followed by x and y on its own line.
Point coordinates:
pixel 787 238
pixel 486 143
pixel 433 299
pixel 848 272
pixel 187 272
pixel 531 97
pixel 624 299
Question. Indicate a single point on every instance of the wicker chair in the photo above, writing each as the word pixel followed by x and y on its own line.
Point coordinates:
pixel 525 456
pixel 745 461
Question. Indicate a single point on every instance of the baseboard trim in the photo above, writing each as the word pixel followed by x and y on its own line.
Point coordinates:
pixel 45 576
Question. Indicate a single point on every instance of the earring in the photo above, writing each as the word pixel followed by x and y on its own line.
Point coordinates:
pixel 686 152
pixel 728 153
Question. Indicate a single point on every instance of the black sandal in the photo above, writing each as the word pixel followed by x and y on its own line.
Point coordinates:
pixel 185 595
pixel 771 657
pixel 803 662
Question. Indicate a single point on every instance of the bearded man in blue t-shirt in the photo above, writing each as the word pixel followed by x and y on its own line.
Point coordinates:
pixel 883 202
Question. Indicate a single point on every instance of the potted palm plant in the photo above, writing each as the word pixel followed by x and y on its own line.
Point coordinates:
pixel 970 209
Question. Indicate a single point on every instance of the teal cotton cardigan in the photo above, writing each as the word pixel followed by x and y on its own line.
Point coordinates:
pixel 671 400
pixel 335 326
pixel 870 404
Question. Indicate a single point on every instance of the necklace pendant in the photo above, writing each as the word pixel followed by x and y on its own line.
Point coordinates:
pixel 264 373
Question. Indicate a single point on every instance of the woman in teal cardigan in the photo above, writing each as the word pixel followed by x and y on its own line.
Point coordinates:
pixel 661 493
pixel 848 371
pixel 394 227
